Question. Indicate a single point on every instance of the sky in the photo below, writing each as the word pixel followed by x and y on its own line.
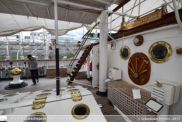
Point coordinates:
pixel 78 32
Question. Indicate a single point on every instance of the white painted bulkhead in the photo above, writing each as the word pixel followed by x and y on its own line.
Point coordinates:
pixel 170 70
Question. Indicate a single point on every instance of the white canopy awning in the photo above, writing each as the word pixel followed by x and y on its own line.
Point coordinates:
pixel 11 23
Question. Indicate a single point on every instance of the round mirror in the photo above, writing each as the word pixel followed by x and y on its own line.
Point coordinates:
pixel 36 117
pixel 80 111
pixel 160 52
pixel 124 52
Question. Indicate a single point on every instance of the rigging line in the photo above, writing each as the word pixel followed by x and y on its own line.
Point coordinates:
pixel 132 10
pixel 128 10
pixel 151 6
pixel 144 12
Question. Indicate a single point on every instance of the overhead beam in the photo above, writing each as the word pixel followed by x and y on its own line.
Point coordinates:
pixel 101 1
pixel 25 5
pixel 121 5
pixel 94 8
pixel 29 2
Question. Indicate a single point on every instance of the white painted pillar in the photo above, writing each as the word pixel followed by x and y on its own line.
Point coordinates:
pixel 88 66
pixel 95 71
pixel 7 50
pixel 103 52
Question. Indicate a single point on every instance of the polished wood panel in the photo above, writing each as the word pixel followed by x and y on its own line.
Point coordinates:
pixel 139 62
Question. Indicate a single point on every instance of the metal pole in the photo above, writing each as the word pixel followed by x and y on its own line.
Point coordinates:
pixel 102 56
pixel 57 48
pixel 177 14
pixel 139 8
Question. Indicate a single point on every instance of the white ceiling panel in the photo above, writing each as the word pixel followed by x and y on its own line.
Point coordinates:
pixel 89 18
pixel 3 9
pixel 61 13
pixel 38 11
pixel 74 14
pixel 16 7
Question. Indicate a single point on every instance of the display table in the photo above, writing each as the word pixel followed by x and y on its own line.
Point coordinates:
pixel 51 73
pixel 120 94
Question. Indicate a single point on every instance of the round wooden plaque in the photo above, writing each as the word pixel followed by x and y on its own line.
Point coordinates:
pixel 139 68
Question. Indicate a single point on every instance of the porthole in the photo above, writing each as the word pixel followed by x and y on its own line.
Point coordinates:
pixel 125 52
pixel 160 52
pixel 80 111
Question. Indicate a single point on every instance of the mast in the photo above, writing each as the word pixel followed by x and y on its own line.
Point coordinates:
pixel 57 48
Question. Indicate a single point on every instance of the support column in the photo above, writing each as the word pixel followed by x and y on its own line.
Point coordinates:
pixel 88 66
pixel 57 48
pixel 7 49
pixel 103 53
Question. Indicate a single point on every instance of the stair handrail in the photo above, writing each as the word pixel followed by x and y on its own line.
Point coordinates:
pixel 81 46
pixel 79 49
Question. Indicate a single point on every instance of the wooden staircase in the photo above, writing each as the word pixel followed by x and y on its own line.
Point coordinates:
pixel 82 58
pixel 79 64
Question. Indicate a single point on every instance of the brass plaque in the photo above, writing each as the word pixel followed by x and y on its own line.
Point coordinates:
pixel 146 19
pixel 76 96
pixel 39 103
pixel 39 98
pixel 46 91
pixel 10 95
pixel 43 95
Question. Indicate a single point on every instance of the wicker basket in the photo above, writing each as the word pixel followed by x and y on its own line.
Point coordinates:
pixel 120 94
